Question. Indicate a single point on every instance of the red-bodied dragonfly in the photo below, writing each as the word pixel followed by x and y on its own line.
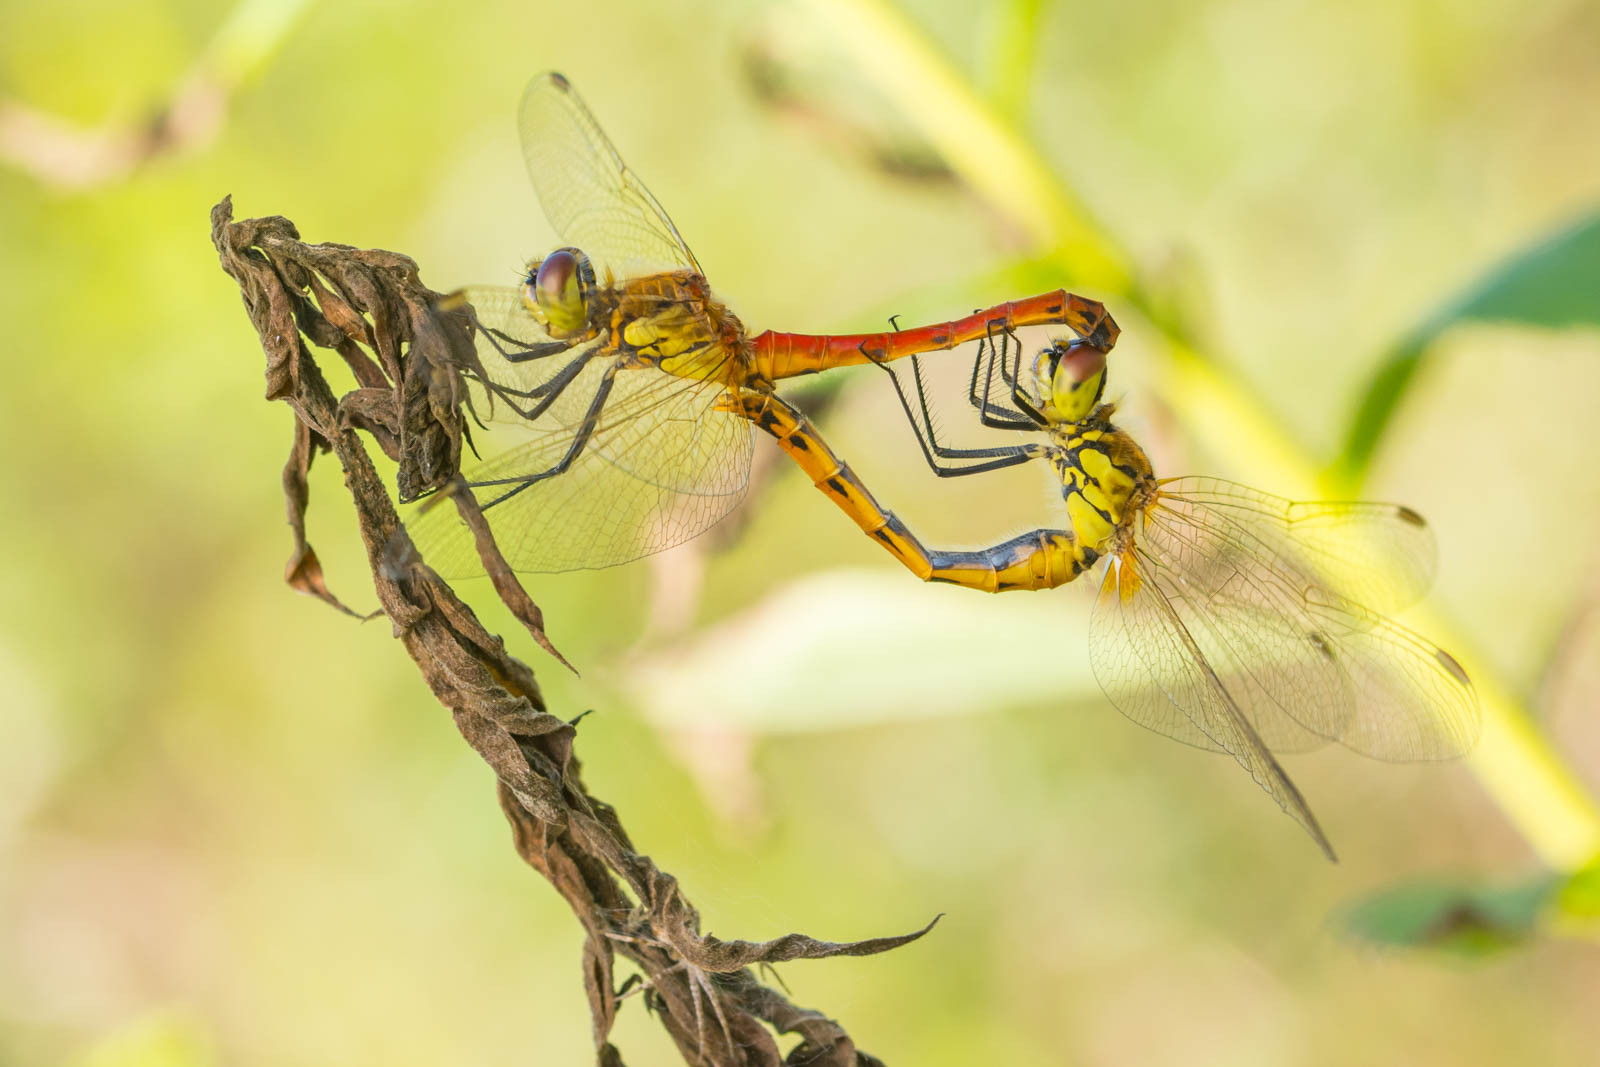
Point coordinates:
pixel 623 392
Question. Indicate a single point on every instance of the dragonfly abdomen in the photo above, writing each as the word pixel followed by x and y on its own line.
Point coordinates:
pixel 788 355
pixel 1040 559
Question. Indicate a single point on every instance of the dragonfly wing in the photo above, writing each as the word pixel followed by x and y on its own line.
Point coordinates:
pixel 662 464
pixel 502 310
pixel 589 195
pixel 514 351
pixel 1304 660
pixel 1151 667
pixel 1242 602
pixel 1380 555
pixel 1142 667
pixel 1414 701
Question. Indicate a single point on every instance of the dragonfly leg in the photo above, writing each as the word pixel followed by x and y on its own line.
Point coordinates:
pixel 997 458
pixel 513 350
pixel 536 352
pixel 1019 396
pixel 591 418
pixel 1040 559
pixel 547 392
pixel 992 413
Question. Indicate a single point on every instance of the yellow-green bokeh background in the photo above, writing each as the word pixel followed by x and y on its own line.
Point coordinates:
pixel 235 829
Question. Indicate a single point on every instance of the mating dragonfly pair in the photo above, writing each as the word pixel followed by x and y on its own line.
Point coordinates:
pixel 1227 618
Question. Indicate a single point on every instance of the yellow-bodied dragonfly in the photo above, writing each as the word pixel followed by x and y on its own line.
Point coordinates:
pixel 625 392
pixel 1227 618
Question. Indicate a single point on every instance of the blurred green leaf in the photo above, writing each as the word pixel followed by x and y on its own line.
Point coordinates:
pixel 855 647
pixel 1554 283
pixel 1579 898
pixel 1461 919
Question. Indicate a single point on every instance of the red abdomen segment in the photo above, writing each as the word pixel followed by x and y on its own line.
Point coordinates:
pixel 1041 559
pixel 785 355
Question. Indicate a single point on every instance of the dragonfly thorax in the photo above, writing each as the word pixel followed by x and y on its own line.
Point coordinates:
pixel 673 322
pixel 1105 478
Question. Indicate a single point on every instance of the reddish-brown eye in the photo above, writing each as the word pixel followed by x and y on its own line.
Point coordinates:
pixel 1082 363
pixel 555 272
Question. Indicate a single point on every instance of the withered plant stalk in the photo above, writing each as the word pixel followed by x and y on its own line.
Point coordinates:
pixel 408 360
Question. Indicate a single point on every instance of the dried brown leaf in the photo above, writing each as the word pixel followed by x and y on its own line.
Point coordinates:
pixel 372 309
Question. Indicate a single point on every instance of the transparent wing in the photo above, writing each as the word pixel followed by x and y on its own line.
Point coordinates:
pixel 1283 683
pixel 501 309
pixel 1151 667
pixel 1303 661
pixel 662 464
pixel 1379 555
pixel 1413 700
pixel 507 332
pixel 589 195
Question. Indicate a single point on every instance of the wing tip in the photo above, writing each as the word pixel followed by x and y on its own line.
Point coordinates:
pixel 1297 808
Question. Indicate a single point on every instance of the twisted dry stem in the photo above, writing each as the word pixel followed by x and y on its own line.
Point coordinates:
pixel 408 360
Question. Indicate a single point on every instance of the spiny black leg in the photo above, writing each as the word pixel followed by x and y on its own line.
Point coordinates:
pixel 546 392
pixel 1012 456
pixel 957 453
pixel 997 458
pixel 972 385
pixel 992 413
pixel 924 429
pixel 591 419
pixel 518 351
pixel 533 352
pixel 926 437
pixel 1006 375
pixel 1023 401
pixel 986 345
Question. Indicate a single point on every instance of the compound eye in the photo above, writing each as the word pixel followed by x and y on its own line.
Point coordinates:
pixel 1079 378
pixel 1081 363
pixel 554 274
pixel 557 292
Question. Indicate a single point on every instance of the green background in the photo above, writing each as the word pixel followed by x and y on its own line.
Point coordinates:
pixel 234 828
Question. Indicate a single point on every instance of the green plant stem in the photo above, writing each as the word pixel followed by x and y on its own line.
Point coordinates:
pixel 1009 56
pixel 1514 761
pixel 998 164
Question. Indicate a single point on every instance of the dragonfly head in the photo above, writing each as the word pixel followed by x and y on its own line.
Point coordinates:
pixel 1069 377
pixel 557 290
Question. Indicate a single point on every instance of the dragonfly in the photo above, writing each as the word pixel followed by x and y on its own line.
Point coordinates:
pixel 1227 618
pixel 626 394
